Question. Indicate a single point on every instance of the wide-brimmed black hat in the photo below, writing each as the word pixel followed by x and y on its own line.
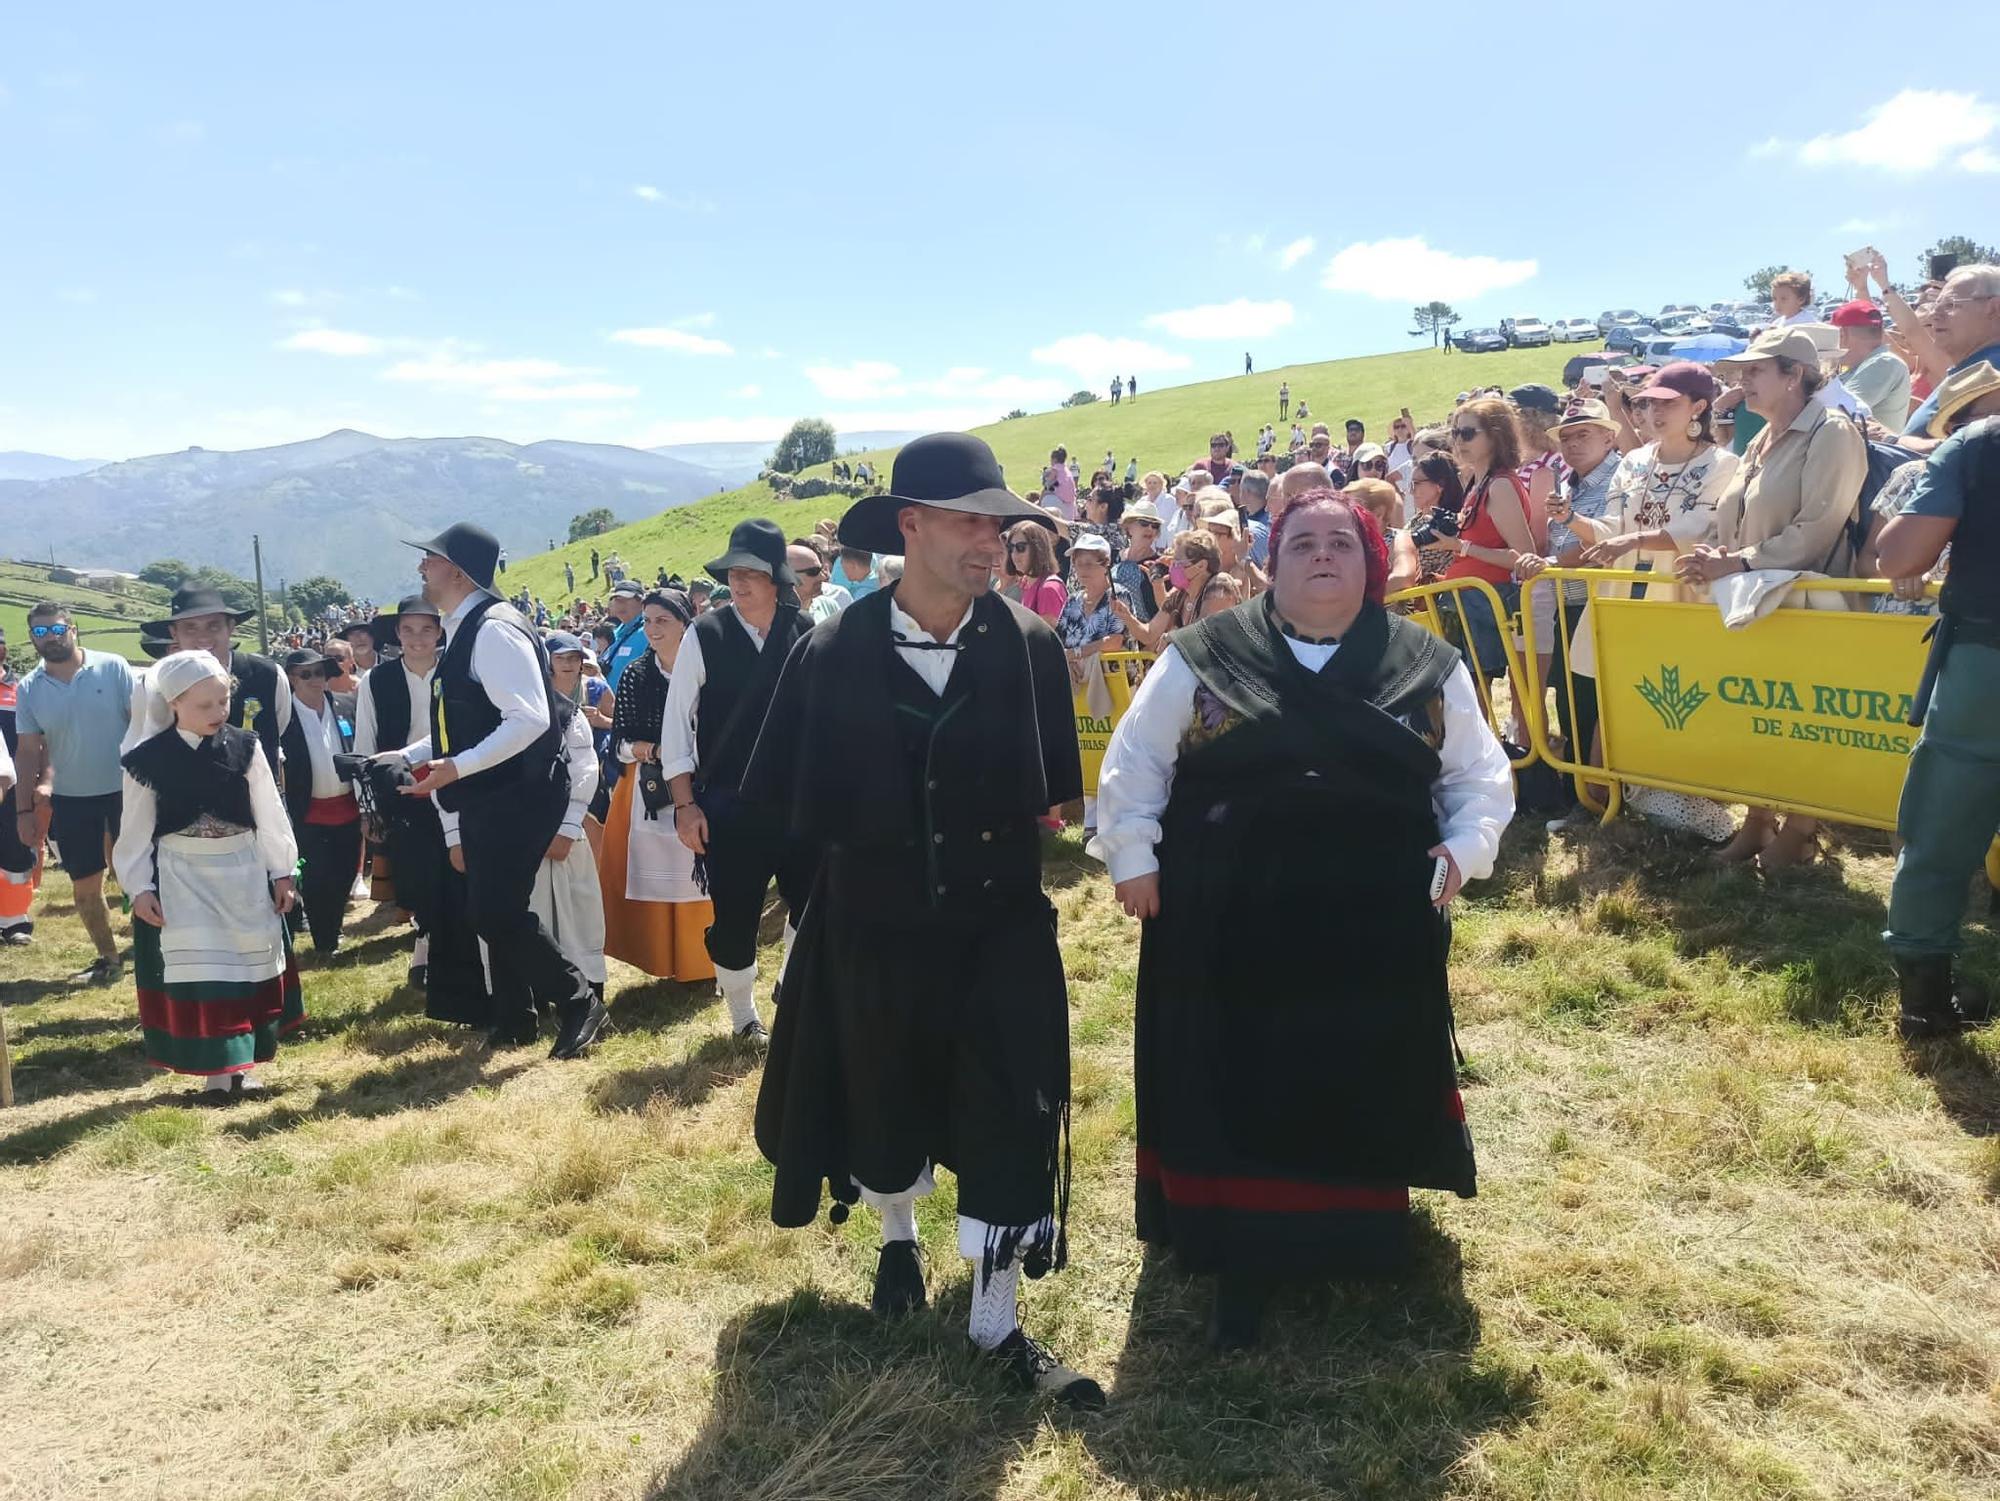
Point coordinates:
pixel 949 471
pixel 154 645
pixel 307 656
pixel 191 603
pixel 757 544
pixel 383 626
pixel 473 550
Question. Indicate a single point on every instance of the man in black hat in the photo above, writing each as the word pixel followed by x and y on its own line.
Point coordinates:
pixel 495 764
pixel 326 820
pixel 915 739
pixel 722 683
pixel 260 699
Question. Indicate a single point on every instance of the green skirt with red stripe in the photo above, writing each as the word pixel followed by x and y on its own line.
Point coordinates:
pixel 212 1027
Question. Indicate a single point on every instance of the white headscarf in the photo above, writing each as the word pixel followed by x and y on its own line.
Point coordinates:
pixel 169 678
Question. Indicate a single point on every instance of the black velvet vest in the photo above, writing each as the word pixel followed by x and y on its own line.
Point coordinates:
pixel 253 703
pixel 389 689
pixel 462 715
pixel 190 780
pixel 737 689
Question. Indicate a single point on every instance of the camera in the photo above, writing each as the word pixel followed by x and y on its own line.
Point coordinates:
pixel 1442 522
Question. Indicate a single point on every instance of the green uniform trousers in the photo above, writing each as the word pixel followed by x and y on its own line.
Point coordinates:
pixel 1951 804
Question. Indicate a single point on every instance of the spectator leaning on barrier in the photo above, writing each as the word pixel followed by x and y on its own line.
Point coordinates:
pixel 1951 795
pixel 1787 509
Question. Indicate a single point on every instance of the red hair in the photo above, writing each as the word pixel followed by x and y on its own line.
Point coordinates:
pixel 1374 549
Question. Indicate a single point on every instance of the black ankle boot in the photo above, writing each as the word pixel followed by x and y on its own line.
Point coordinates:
pixel 1236 1320
pixel 1933 1005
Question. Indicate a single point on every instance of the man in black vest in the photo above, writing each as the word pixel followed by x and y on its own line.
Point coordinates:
pixel 1951 794
pixel 494 762
pixel 722 683
pixel 915 740
pixel 260 700
pixel 326 820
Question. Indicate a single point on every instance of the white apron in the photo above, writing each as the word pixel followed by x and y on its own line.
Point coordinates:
pixel 658 867
pixel 215 897
pixel 567 900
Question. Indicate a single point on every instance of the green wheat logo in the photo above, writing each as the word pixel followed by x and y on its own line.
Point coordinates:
pixel 1675 705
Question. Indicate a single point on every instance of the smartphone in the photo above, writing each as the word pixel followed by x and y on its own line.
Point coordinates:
pixel 1942 266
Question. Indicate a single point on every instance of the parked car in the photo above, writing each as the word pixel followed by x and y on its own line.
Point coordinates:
pixel 1481 341
pixel 1525 333
pixel 1681 325
pixel 1630 337
pixel 1676 310
pixel 1623 315
pixel 1728 323
pixel 1575 331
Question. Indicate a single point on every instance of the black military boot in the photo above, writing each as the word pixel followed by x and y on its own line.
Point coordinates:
pixel 1932 1004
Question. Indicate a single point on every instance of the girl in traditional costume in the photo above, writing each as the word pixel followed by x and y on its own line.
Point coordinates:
pixel 206 854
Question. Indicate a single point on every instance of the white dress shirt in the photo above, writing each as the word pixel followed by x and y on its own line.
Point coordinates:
pixel 132 855
pixel 677 749
pixel 583 774
pixel 366 731
pixel 934 667
pixel 1473 794
pixel 322 738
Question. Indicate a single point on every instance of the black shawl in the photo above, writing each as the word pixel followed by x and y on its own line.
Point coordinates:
pixel 638 709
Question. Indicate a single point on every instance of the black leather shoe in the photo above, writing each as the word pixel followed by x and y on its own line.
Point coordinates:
pixel 420 975
pixel 899 1280
pixel 580 1028
pixel 1933 1004
pixel 1036 1370
pixel 754 1033
pixel 1236 1318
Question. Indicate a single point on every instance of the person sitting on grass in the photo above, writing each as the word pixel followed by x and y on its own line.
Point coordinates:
pixel 206 854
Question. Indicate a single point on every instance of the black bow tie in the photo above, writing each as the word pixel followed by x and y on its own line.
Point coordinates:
pixel 905 644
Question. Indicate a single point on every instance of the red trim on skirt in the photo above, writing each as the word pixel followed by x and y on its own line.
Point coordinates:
pixel 1278 1195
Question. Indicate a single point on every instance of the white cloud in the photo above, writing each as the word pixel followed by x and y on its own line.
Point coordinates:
pixel 696 320
pixel 748 393
pixel 710 430
pixel 508 380
pixel 1410 270
pixel 1295 252
pixel 671 338
pixel 1098 358
pixel 686 203
pixel 1769 146
pixel 334 341
pixel 290 297
pixel 1918 130
pixel 401 294
pixel 648 192
pixel 1979 159
pixel 1241 319
pixel 864 380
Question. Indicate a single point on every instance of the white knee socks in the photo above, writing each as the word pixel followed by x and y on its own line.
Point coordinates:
pixel 994 1313
pixel 739 993
pixel 791 937
pixel 899 1218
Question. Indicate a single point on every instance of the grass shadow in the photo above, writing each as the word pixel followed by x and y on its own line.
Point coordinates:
pixel 821 1399
pixel 1965 1079
pixel 410 1084
pixel 1372 1389
pixel 716 1064
pixel 44 1073
pixel 656 1005
pixel 38 1143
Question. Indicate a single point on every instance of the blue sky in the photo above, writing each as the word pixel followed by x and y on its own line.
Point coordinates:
pixel 231 225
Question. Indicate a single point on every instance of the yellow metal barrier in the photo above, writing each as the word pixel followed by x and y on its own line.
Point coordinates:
pixel 1802 710
pixel 1423 601
pixel 1120 671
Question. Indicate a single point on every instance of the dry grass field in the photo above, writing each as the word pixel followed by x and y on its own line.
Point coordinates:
pixel 1732 1241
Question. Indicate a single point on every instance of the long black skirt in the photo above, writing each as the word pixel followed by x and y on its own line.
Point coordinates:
pixel 939 1041
pixel 1293 1056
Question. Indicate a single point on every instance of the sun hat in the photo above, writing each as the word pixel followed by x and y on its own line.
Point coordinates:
pixel 946 471
pixel 192 603
pixel 1786 342
pixel 755 544
pixel 1368 453
pixel 559 642
pixel 1682 378
pixel 1960 389
pixel 1140 510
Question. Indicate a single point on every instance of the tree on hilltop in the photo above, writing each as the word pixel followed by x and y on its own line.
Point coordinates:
pixel 313 595
pixel 1080 398
pixel 809 441
pixel 1969 252
pixel 591 523
pixel 166 572
pixel 1433 318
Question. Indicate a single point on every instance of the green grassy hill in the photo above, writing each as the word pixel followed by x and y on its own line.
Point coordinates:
pixel 1167 429
pixel 109 622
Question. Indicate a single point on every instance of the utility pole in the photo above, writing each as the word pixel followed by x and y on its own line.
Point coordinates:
pixel 263 625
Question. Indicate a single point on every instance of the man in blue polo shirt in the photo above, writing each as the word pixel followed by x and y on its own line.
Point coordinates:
pixel 72 711
pixel 626 606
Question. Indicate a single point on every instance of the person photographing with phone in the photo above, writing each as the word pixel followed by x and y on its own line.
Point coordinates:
pixel 1311 768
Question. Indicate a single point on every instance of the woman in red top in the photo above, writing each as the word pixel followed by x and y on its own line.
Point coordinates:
pixel 1493 530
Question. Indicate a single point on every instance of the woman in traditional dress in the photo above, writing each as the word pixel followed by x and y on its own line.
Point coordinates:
pixel 206 855
pixel 655 916
pixel 1298 789
pixel 566 896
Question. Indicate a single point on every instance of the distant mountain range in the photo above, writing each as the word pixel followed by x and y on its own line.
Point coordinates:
pixel 343 504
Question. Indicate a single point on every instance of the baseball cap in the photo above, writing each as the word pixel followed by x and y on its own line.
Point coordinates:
pixel 1587 414
pixel 1536 398
pixel 1089 542
pixel 631 587
pixel 1859 313
pixel 1367 453
pixel 1781 343
pixel 1681 378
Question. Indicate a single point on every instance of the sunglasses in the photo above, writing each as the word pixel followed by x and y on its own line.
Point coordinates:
pixel 810 573
pixel 1017 547
pixel 1465 434
pixel 313 672
pixel 57 630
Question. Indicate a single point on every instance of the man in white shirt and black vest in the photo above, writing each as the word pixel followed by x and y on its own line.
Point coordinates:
pixel 494 763
pixel 915 740
pixel 326 820
pixel 260 700
pixel 722 683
